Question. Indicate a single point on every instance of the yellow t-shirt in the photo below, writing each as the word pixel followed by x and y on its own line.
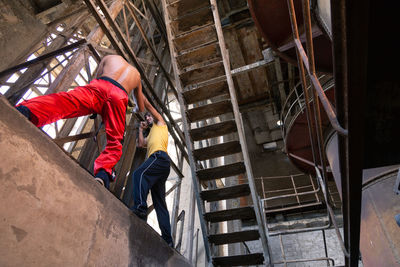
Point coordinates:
pixel 157 139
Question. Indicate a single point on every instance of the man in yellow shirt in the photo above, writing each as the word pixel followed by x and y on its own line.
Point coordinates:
pixel 153 173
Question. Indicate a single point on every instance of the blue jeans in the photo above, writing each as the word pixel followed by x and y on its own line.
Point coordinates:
pixel 153 174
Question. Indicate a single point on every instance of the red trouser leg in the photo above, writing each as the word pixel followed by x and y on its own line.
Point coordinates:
pixel 50 108
pixel 100 97
pixel 113 116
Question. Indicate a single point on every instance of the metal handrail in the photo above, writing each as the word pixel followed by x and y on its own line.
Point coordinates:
pixel 293 102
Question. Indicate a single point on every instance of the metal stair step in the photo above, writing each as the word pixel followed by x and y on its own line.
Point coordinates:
pixel 302 224
pixel 221 171
pixel 203 73
pixel 213 130
pixel 209 111
pixel 192 30
pixel 305 207
pixel 218 150
pixel 182 8
pixel 228 238
pixel 188 23
pixel 243 213
pixel 238 260
pixel 206 92
pixel 226 192
pixel 196 38
pixel 208 53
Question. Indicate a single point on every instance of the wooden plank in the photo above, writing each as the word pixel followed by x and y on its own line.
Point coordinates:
pixel 216 151
pixel 202 74
pixel 235 237
pixel 181 8
pixel 206 92
pixel 221 171
pixel 210 53
pixel 189 23
pixel 248 259
pixel 63 140
pixel 236 47
pixel 258 78
pixel 226 192
pixel 244 213
pixel 196 38
pixel 209 111
pixel 213 130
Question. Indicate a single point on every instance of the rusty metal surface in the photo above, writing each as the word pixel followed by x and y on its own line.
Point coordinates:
pixel 380 236
pixel 272 20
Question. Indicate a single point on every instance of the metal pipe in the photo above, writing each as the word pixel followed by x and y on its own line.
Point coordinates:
pixel 175 210
pixel 324 100
pixel 189 237
pixel 302 75
pixel 197 247
pixel 325 248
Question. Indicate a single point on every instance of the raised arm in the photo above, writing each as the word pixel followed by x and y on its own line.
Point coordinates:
pixel 154 112
pixel 100 67
pixel 139 95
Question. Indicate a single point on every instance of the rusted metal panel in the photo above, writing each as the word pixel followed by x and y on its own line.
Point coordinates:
pixel 272 20
pixel 379 233
pixel 380 238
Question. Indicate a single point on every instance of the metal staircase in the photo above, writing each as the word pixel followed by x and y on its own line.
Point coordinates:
pixel 202 73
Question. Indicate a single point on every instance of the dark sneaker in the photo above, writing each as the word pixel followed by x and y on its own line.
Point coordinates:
pixel 397 218
pixel 103 178
pixel 142 215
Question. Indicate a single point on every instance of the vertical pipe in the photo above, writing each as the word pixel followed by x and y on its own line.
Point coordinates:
pixel 189 238
pixel 175 209
pixel 325 248
pixel 197 247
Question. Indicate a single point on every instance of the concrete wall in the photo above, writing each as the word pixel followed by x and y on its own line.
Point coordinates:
pixel 19 31
pixel 52 212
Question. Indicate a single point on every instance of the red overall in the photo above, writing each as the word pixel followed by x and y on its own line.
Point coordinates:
pixel 101 97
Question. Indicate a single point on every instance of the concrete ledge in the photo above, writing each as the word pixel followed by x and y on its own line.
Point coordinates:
pixel 53 213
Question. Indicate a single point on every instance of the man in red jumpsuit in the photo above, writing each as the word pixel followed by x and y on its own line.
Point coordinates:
pixel 107 95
